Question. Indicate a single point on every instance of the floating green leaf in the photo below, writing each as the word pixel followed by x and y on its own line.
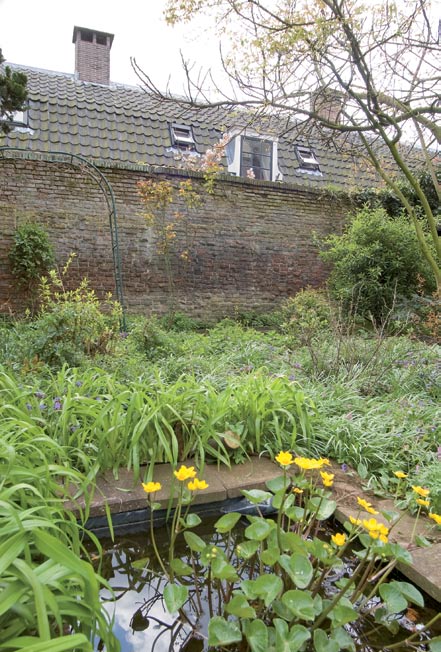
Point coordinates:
pixel 392 596
pixel 275 484
pixel 175 596
pixel 240 607
pixel 192 520
pixel 222 570
pixel 300 603
pixel 256 633
pixel 257 496
pixel 343 613
pixel 290 640
pixel 270 556
pixel 223 632
pixel 194 542
pixel 247 549
pixel 180 568
pixel 299 569
pixel 323 644
pixel 259 530
pixel 227 522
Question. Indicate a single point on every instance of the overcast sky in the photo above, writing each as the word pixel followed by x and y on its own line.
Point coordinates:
pixel 38 33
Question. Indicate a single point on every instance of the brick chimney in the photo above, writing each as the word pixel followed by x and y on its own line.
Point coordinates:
pixel 328 104
pixel 92 55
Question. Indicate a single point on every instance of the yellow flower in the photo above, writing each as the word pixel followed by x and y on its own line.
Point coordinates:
pixel 327 478
pixel 196 484
pixel 185 473
pixel 376 530
pixel 339 539
pixel 355 521
pixel 284 458
pixel 151 487
pixel 297 490
pixel 436 518
pixel 423 502
pixel 308 464
pixel 400 475
pixel 420 491
pixel 366 506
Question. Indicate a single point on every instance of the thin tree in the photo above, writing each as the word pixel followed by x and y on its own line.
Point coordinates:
pixel 365 78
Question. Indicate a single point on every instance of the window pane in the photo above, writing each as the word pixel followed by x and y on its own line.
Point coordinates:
pixel 267 147
pixel 256 156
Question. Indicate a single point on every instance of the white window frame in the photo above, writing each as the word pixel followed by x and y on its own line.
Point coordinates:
pixel 180 141
pixel 234 159
pixel 308 162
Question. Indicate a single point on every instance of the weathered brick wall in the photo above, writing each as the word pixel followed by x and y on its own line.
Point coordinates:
pixel 250 244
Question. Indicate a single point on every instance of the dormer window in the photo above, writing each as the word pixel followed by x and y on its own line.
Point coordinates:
pixel 307 159
pixel 20 118
pixel 253 156
pixel 182 137
pixel 17 122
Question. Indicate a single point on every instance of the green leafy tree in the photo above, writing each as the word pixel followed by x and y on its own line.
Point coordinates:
pixel 13 95
pixel 363 78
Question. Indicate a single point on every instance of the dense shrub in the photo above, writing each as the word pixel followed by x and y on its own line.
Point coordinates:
pixel 306 315
pixel 71 325
pixel 31 254
pixel 375 260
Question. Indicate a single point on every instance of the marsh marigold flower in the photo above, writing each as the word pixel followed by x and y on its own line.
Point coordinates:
pixel 423 502
pixel 151 487
pixel 327 478
pixel 400 475
pixel 185 473
pixel 196 485
pixel 339 539
pixel 307 464
pixel 366 506
pixel 376 530
pixel 355 521
pixel 420 491
pixel 284 458
pixel 436 518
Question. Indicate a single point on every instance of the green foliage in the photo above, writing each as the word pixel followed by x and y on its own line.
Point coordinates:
pixel 31 254
pixel 13 95
pixel 230 392
pixel 50 591
pixel 306 316
pixel 386 199
pixel 105 424
pixel 71 324
pixel 260 320
pixel 280 585
pixel 375 260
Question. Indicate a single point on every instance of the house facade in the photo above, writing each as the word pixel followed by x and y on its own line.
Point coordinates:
pixel 75 158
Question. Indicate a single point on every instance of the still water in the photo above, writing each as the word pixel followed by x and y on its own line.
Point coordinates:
pixel 142 623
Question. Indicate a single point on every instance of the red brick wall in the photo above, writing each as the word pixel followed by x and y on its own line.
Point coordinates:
pixel 250 244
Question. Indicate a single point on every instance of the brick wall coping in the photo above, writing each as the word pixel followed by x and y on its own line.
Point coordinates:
pixel 63 157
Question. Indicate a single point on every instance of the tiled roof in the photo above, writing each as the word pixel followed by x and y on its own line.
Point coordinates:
pixel 119 124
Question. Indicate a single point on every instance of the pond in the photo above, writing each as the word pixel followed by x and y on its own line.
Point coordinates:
pixel 143 623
